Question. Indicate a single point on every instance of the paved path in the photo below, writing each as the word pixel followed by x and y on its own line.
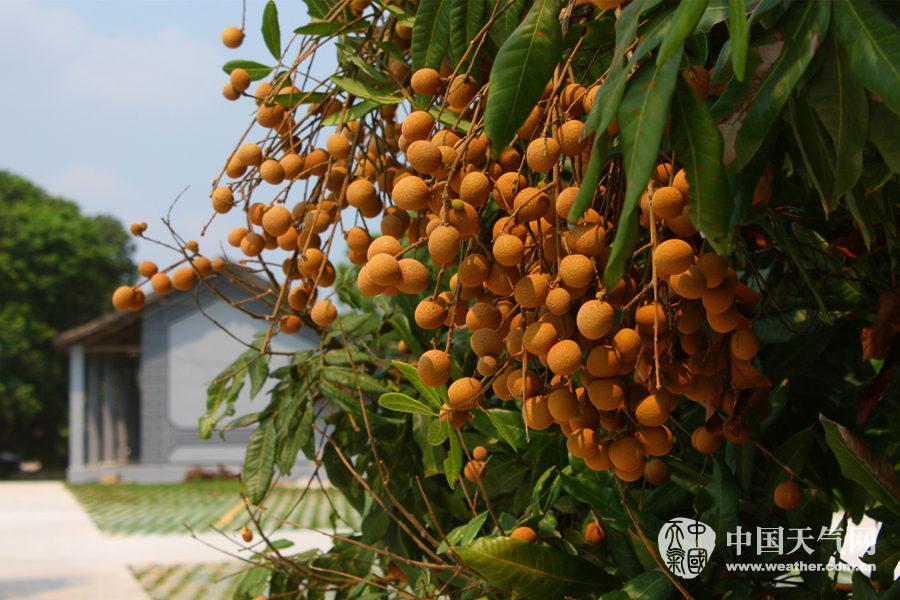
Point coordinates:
pixel 51 550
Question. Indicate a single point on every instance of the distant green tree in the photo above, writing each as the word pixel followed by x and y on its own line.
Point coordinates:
pixel 57 270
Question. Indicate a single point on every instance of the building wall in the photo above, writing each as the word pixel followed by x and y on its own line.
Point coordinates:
pixel 181 352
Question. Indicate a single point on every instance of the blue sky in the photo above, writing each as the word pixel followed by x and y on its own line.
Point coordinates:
pixel 117 104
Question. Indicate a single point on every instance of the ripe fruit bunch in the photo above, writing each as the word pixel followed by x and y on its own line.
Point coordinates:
pixel 484 240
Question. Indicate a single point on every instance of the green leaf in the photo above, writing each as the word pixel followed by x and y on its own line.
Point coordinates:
pixel 464 534
pixel 319 9
pixel 259 372
pixel 506 21
pixel 841 103
pixel 522 67
pixel 603 499
pixel 777 60
pixel 859 464
pixel 503 429
pixel 357 111
pixel 591 178
pixel 259 462
pixel 252 583
pixel 873 47
pixel 716 12
pixel 453 461
pixel 813 145
pixel 365 91
pixel 271 31
pixel 430 34
pixel 466 20
pixel 698 145
pixel 450 119
pixel 402 403
pixel 532 570
pixel 882 131
pixel 686 17
pixel 254 69
pixel 429 393
pixel 723 489
pixel 328 28
pixel 739 36
pixel 652 585
pixel 438 432
pixel 642 117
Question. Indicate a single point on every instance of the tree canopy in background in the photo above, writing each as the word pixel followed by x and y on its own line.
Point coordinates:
pixel 57 269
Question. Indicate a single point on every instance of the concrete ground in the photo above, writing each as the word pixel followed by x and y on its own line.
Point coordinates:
pixel 51 550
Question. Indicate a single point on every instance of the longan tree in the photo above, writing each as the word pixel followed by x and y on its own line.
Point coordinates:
pixel 610 263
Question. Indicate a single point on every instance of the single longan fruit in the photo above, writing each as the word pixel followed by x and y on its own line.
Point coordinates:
pixel 413 276
pixel 425 157
pixel 563 405
pixel 569 135
pixel 689 319
pixel 599 461
pixel 725 321
pixel 411 193
pixel 595 319
pixel 232 37
pixel 652 411
pixel 564 358
pixel 229 93
pixel 443 244
pixel 582 443
pixel 202 265
pixel 480 453
pixel 531 204
pixel 531 290
pixel 315 163
pixel 338 146
pixel 473 471
pixel 385 244
pixel 417 126
pixel 714 269
pixel 564 201
pixel 627 343
pixel 690 285
pixel 425 81
pixel 147 268
pixel 161 283
pixel 656 472
pixel 475 188
pixel 290 324
pixel 384 269
pixel 433 368
pixel 277 220
pixel 123 297
pixel 271 171
pixel 602 361
pixel 323 313
pixel 744 344
pixel 537 413
pixel 593 534
pixel 461 91
pixel 236 236
pixel 697 79
pixel 576 270
pixel 486 342
pixel 668 203
pixel 222 200
pixel 184 279
pixel 235 167
pixel 240 79
pixel 473 270
pixel 250 155
pixel 539 337
pixel 649 315
pixel 626 454
pixel 606 393
pixel 542 154
pixel 464 393
pixel 788 495
pixel 358 239
pixel 673 257
pixel 523 534
pixel 705 441
pixel 361 193
pixel 558 301
pixel 292 164
pixel 719 299
pixel 508 250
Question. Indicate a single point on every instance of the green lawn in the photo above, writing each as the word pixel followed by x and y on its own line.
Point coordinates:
pixel 130 509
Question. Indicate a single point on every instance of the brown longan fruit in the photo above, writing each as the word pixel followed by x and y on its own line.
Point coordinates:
pixel 461 91
pixel 725 321
pixel 657 441
pixel 542 154
pixel 137 228
pixel 788 495
pixel 606 393
pixel 656 472
pixel 240 79
pixel 424 157
pixel 222 199
pixel 253 244
pixel 277 220
pixel 588 239
pixel 232 37
pixel 464 393
pixel 582 443
pixel 714 269
pixel 384 244
pixel 433 368
pixel 599 461
pixel 473 471
pixel 384 269
pixel 744 344
pixel 564 358
pixel 523 534
pixel 506 187
pixel 668 203
pixel 602 361
pixel 705 441
pixel 236 236
pixel 719 299
pixel 558 301
pixel 480 453
pixel 652 411
pixel 563 405
pixel 564 201
pixel 411 193
pixel 315 163
pixel 147 268
pixel 338 146
pixel 289 324
pixel 271 171
pixel 202 265
pixel 250 155
pixel 474 188
pixel 358 239
pixel 509 250
pixel 537 413
pixel 443 244
pixel 569 136
pixel 161 283
pixel 595 319
pixel 688 319
pixel 417 126
pixel 123 297
pixel 235 168
pixel 486 342
pixel 576 270
pixel 323 313
pixel 425 81
pixel 539 337
pixel 531 290
pixel 697 78
pixel 429 314
pixel 690 284
pixel 626 454
pixel 627 343
pixel 292 164
pixel 184 279
pixel 647 316
pixel 413 276
pixel 593 534
pixel 361 193
pixel 673 256
pixel 229 93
